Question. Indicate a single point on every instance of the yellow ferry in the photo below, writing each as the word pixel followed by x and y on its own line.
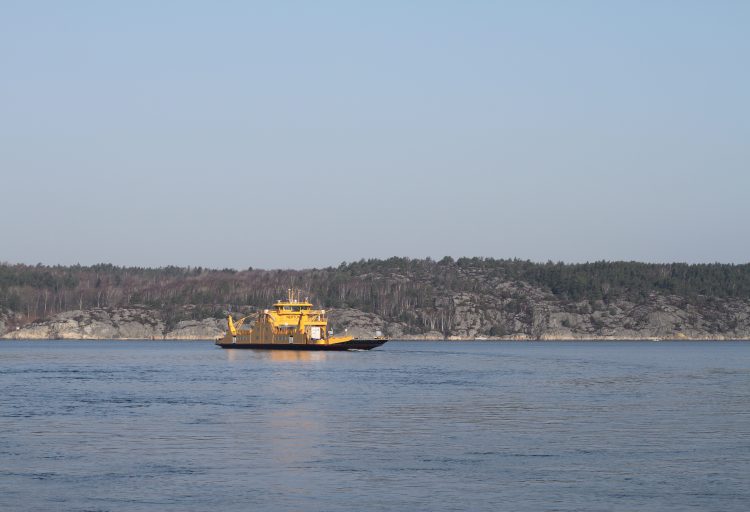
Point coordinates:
pixel 292 324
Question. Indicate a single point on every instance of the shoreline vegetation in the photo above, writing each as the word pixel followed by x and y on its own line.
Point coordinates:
pixel 409 340
pixel 406 299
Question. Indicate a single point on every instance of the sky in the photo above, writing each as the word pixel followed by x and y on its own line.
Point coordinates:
pixel 303 134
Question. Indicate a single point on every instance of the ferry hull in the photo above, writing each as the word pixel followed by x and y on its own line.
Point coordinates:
pixel 356 344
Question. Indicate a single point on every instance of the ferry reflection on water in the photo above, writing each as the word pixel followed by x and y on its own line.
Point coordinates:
pixel 280 356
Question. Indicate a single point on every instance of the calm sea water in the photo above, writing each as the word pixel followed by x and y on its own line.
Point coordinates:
pixel 434 426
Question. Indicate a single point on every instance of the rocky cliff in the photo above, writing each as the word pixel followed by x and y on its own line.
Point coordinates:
pixel 117 323
pixel 468 298
pixel 661 317
pixel 472 316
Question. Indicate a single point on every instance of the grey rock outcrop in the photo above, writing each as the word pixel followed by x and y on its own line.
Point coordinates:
pixel 519 312
pixel 531 314
pixel 209 328
pixel 115 323
pixel 97 323
pixel 356 323
pixel 8 320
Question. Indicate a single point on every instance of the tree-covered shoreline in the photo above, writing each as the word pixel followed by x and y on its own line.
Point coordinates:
pixel 421 294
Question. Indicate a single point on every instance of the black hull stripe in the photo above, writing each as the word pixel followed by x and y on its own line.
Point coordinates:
pixel 347 345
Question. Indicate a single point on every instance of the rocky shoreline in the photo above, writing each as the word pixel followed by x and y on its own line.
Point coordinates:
pixel 661 320
pixel 116 324
pixel 464 299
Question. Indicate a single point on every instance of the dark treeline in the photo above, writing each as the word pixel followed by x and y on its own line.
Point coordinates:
pixel 392 288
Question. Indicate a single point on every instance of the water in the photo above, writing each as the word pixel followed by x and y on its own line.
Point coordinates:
pixel 433 426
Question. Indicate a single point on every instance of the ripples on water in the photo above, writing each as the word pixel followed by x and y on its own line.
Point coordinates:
pixel 436 426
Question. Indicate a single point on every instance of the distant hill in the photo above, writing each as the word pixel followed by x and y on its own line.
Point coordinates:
pixel 407 298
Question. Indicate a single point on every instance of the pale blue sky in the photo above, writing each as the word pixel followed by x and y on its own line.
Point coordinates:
pixel 299 134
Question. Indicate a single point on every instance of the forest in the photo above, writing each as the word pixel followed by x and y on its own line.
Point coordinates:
pixel 391 288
